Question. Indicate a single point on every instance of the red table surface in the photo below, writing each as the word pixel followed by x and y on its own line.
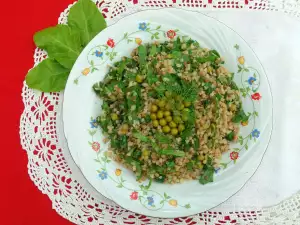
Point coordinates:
pixel 21 202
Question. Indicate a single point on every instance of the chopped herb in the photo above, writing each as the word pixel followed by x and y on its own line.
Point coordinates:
pixel 230 136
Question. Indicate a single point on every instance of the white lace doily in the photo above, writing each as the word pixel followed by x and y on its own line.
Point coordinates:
pixel 55 174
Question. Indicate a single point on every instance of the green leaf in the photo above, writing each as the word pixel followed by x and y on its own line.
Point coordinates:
pixel 48 76
pixel 207 176
pixel 85 17
pixel 170 164
pixel 141 137
pixel 173 152
pixel 153 50
pixel 163 138
pixel 142 51
pixel 208 173
pixel 187 206
pixel 240 116
pixel 230 136
pixel 190 166
pixel 246 147
pixel 92 132
pixel 165 195
pixel 224 165
pixel 236 46
pixel 160 179
pixel 61 43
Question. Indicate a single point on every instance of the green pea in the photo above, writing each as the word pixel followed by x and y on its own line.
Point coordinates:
pixel 174 131
pixel 177 119
pixel 161 103
pixel 179 106
pixel 139 78
pixel 166 129
pixel 168 106
pixel 181 127
pixel 187 104
pixel 160 114
pixel 172 124
pixel 154 108
pixel 169 118
pixel 114 116
pixel 167 113
pixel 162 122
pixel 153 116
pixel 155 123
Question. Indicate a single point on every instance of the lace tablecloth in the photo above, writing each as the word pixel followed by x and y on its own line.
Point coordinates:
pixel 274 36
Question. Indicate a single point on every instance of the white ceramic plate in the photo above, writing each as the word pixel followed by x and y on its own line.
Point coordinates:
pixel 81 107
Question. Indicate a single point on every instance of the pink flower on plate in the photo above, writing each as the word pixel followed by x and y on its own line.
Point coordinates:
pixel 234 155
pixel 96 146
pixel 171 34
pixel 134 195
pixel 256 96
pixel 110 43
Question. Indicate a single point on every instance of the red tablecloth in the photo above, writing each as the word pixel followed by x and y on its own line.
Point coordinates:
pixel 21 202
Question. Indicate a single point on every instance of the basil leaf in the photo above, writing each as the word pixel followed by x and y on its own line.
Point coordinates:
pixel 48 76
pixel 85 17
pixel 61 43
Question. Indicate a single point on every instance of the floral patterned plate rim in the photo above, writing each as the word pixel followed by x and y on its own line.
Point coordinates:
pixel 85 140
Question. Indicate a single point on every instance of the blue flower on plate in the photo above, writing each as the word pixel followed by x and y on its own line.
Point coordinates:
pixel 94 123
pixel 255 133
pixel 251 80
pixel 98 53
pixel 103 175
pixel 143 26
pixel 150 201
pixel 217 169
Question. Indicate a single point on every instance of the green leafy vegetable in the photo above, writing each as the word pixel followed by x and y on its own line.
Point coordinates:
pixel 153 50
pixel 230 136
pixel 160 179
pixel 85 17
pixel 172 152
pixel 170 164
pixel 137 165
pixel 240 116
pixel 163 138
pixel 142 52
pixel 61 43
pixel 190 166
pixel 48 76
pixel 141 137
pixel 208 173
